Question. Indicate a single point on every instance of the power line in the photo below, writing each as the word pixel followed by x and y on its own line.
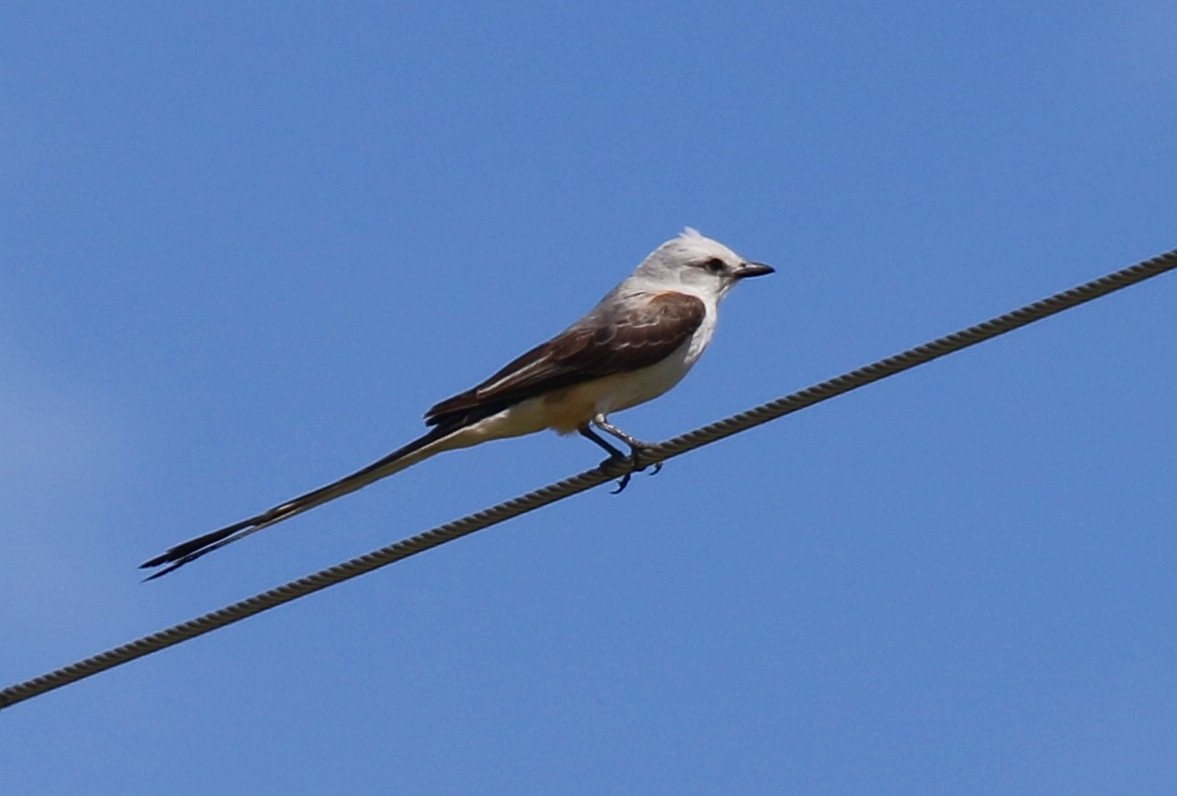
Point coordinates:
pixel 589 479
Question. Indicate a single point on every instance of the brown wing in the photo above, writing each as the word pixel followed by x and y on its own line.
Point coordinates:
pixel 607 341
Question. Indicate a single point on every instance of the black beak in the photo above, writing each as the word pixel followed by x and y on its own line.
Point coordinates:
pixel 753 269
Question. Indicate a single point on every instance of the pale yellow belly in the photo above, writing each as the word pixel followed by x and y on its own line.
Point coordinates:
pixel 569 409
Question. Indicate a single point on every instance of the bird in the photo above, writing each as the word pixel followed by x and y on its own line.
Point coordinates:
pixel 639 341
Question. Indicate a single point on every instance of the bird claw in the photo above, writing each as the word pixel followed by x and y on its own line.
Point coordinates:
pixel 632 462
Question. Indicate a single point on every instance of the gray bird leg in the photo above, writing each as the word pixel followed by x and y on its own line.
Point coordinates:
pixel 636 446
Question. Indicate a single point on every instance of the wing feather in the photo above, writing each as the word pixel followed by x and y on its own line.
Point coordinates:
pixel 614 338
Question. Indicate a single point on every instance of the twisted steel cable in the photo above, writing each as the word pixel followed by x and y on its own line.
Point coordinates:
pixel 588 479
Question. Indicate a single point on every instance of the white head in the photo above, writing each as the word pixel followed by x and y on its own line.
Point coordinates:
pixel 698 265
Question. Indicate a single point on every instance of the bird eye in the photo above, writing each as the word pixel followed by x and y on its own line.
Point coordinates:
pixel 715 266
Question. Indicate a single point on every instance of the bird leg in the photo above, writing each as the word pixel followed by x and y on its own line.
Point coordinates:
pixel 636 447
pixel 587 432
pixel 615 456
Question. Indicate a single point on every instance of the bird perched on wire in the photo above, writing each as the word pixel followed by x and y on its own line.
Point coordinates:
pixel 637 343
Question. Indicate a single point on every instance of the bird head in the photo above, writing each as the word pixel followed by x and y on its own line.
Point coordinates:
pixel 697 264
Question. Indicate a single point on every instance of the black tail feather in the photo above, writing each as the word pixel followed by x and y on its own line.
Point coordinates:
pixel 192 549
pixel 192 545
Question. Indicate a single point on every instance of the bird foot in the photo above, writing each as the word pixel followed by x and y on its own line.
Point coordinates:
pixel 633 464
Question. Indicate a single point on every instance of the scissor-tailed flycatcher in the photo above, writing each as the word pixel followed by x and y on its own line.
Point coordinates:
pixel 636 344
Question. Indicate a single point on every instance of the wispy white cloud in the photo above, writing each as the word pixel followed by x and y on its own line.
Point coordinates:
pixel 59 454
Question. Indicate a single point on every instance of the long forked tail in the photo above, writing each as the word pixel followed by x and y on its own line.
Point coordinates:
pixel 416 451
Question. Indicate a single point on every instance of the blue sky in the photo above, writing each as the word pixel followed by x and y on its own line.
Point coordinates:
pixel 244 246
